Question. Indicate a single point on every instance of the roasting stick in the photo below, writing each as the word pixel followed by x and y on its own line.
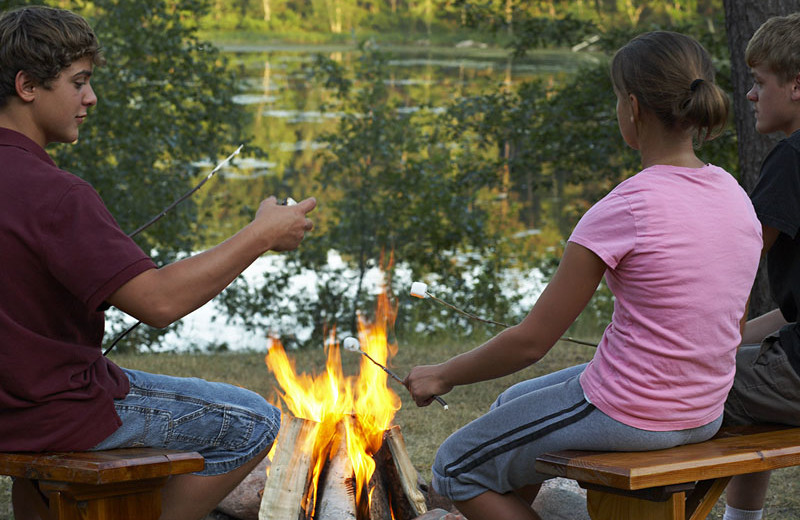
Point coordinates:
pixel 160 215
pixel 420 290
pixel 350 343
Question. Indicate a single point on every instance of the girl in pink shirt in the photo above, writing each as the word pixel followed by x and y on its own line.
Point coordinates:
pixel 679 245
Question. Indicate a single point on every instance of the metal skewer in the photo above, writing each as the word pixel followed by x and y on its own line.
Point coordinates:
pixel 350 343
pixel 420 290
pixel 158 217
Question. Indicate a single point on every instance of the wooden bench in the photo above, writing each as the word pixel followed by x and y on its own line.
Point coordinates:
pixel 101 485
pixel 681 483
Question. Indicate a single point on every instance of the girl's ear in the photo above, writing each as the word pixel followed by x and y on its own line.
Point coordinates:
pixel 25 86
pixel 634 101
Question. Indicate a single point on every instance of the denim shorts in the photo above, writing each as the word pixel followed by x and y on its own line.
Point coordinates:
pixel 226 424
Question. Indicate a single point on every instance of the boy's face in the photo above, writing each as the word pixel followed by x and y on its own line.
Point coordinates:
pixel 776 104
pixel 60 110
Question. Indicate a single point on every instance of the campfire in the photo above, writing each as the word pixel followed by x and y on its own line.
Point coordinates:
pixel 338 456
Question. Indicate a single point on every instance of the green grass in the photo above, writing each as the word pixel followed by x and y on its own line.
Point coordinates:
pixel 423 428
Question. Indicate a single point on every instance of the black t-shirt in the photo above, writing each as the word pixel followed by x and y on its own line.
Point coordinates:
pixel 776 198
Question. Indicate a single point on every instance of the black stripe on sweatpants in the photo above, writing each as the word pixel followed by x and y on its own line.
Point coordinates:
pixel 587 409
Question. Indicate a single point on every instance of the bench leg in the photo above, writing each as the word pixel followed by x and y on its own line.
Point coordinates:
pixel 608 506
pixel 700 502
pixel 140 500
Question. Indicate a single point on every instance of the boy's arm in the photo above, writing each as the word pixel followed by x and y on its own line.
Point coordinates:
pixel 758 328
pixel 159 297
pixel 768 235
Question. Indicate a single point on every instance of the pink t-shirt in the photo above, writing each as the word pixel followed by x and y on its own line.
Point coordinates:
pixel 682 246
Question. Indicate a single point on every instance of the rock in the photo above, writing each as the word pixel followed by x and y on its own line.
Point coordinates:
pixel 561 499
pixel 244 501
pixel 558 499
pixel 433 514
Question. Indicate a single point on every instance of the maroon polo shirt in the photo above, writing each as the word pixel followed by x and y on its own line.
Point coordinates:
pixel 61 255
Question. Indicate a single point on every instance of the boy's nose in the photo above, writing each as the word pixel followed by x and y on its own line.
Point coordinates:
pixel 91 98
pixel 751 94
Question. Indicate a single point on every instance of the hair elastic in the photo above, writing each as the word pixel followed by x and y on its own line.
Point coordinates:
pixel 695 84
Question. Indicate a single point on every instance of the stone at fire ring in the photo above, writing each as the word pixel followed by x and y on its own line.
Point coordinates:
pixel 244 501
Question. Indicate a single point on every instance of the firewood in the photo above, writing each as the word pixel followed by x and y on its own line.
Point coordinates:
pixel 290 472
pixel 337 485
pixel 405 473
pixel 379 504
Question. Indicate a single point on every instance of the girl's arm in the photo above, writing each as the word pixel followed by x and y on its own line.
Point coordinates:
pixel 517 347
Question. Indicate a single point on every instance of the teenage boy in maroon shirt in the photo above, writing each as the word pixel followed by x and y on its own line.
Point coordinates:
pixel 64 260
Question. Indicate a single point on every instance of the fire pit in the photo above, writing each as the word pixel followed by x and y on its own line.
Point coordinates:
pixel 338 456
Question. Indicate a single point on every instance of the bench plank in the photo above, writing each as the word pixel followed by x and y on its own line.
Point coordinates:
pixel 722 456
pixel 100 467
pixel 101 485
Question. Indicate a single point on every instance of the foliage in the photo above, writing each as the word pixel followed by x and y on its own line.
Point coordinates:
pixel 393 190
pixel 540 23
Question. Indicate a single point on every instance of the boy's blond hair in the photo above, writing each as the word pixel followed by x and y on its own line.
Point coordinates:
pixel 776 45
pixel 42 41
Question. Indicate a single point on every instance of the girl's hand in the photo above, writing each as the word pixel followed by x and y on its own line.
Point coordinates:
pixel 426 382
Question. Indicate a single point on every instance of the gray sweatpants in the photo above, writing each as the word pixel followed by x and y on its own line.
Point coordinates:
pixel 498 450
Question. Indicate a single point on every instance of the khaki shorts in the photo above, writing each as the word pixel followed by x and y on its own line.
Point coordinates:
pixel 766 388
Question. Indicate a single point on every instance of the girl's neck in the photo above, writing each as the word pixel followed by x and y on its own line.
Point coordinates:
pixel 668 148
pixel 683 160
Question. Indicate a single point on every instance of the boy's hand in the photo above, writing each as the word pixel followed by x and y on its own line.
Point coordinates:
pixel 283 227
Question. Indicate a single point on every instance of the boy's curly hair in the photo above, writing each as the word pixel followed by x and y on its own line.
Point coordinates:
pixel 42 41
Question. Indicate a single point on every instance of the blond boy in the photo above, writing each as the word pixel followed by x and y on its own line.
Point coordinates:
pixel 767 384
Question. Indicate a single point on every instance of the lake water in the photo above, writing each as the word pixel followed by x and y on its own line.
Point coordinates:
pixel 289 112
pixel 289 116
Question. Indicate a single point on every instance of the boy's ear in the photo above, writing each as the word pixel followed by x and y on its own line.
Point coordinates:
pixel 25 86
pixel 796 88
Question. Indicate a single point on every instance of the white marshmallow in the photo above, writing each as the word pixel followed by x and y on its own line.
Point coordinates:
pixel 351 343
pixel 419 289
pixel 290 201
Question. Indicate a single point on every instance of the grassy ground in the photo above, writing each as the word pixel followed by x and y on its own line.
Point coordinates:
pixel 423 428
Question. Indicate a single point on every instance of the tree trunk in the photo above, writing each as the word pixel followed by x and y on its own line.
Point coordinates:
pixel 742 18
pixel 267 10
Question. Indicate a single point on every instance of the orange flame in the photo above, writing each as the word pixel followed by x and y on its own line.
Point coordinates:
pixel 364 404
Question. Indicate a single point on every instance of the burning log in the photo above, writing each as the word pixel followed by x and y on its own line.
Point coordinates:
pixel 379 499
pixel 337 487
pixel 290 471
pixel 408 500
pixel 393 488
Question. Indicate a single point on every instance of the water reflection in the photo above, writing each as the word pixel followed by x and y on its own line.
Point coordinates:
pixel 290 113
